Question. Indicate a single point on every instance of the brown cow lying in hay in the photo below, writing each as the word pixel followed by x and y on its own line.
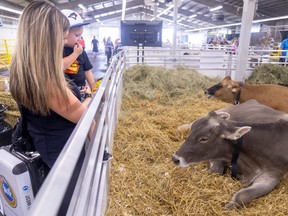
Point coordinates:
pixel 231 91
pixel 263 154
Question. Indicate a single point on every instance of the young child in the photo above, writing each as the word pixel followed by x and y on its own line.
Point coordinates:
pixel 77 65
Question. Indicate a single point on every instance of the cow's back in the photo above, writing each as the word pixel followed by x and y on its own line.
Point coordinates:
pixel 253 111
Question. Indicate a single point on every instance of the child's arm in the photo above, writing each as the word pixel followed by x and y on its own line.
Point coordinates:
pixel 68 60
pixel 90 79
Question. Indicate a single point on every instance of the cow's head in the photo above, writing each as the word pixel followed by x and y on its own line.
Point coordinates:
pixel 226 90
pixel 209 139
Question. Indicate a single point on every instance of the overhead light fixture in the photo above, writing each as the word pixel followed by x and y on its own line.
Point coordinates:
pixel 81 6
pixel 10 10
pixel 97 20
pixel 237 24
pixel 270 19
pixel 216 8
pixel 9 17
pixel 194 15
pixel 166 10
pixel 162 12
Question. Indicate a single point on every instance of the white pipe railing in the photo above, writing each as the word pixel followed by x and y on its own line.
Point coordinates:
pixel 217 61
pixel 91 192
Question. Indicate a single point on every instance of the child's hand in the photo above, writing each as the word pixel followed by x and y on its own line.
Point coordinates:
pixel 78 49
pixel 84 89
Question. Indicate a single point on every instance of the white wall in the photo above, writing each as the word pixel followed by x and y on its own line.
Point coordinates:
pixel 100 31
pixel 8 32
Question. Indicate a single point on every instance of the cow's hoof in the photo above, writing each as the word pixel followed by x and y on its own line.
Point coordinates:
pixel 233 205
pixel 230 205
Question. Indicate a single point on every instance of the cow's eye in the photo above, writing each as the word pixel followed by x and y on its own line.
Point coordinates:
pixel 203 139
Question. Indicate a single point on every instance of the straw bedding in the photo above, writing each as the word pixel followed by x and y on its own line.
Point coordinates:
pixel 143 180
pixel 12 113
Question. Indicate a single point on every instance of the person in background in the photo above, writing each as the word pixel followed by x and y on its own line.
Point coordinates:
pixel 109 49
pixel 77 65
pixel 82 42
pixel 284 46
pixel 50 103
pixel 117 44
pixel 94 43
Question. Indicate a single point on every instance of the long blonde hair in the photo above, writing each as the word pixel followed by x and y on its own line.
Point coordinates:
pixel 36 72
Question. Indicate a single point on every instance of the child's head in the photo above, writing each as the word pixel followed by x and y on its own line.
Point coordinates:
pixel 74 36
pixel 37 59
pixel 76 27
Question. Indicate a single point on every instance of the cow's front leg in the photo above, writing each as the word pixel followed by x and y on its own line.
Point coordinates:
pixel 260 186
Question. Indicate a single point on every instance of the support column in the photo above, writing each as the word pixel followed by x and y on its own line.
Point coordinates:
pixel 244 40
pixel 175 2
pixel 155 8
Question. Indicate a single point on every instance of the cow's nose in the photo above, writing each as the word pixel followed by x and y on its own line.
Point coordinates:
pixel 175 159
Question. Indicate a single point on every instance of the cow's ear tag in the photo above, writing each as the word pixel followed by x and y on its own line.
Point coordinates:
pixel 223 115
pixel 238 133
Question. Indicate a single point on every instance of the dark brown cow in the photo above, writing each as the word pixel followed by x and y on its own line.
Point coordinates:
pixel 263 157
pixel 230 91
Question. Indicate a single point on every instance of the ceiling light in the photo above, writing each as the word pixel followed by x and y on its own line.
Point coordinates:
pixel 81 6
pixel 9 17
pixel 194 15
pixel 97 20
pixel 216 8
pixel 10 10
pixel 164 11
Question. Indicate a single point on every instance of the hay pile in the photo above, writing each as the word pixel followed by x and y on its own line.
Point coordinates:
pixel 146 82
pixel 144 181
pixel 12 113
pixel 269 73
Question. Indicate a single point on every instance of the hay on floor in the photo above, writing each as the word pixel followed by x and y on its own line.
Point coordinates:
pixel 12 113
pixel 144 181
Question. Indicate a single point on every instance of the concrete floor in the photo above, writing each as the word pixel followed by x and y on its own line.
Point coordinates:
pixel 99 64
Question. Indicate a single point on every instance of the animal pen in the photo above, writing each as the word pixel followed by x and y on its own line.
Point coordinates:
pixel 142 179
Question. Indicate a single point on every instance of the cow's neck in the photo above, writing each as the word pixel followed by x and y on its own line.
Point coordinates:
pixel 247 168
pixel 247 92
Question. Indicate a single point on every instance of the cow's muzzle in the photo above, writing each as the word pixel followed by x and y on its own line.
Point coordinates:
pixel 175 159
pixel 207 94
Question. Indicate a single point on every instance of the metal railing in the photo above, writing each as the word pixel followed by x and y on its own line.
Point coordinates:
pixel 91 192
pixel 211 61
pixel 6 49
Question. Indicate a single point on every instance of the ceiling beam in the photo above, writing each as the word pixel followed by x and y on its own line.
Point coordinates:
pixel 115 8
pixel 5 3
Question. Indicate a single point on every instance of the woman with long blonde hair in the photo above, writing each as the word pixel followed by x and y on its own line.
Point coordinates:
pixel 51 105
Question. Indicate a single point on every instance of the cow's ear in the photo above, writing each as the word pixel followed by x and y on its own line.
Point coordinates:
pixel 227 78
pixel 234 89
pixel 223 115
pixel 185 127
pixel 237 133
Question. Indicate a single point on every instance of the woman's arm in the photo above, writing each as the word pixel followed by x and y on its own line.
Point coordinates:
pixel 73 111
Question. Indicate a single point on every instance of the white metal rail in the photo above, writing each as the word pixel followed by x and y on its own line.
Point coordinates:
pixel 90 195
pixel 211 61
